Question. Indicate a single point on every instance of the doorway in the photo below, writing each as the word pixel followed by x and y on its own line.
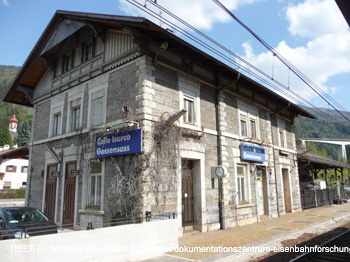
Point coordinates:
pixel 50 192
pixel 286 191
pixel 262 192
pixel 69 195
pixel 187 193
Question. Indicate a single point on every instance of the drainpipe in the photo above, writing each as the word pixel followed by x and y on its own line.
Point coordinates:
pixel 255 170
pixel 274 156
pixel 218 128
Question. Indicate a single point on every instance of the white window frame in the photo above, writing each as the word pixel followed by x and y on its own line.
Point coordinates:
pixel 99 90
pixel 190 92
pixel 253 119
pixel 71 100
pixel 92 203
pixel 247 118
pixel 56 109
pixel 246 177
pixel 243 118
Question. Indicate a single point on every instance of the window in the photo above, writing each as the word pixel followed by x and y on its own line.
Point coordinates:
pixel 189 98
pixel 242 183
pixel 87 51
pixel 75 114
pixel 67 62
pixel 253 128
pixel 56 119
pixel 97 108
pixel 189 117
pixel 24 169
pixel 244 131
pixel 248 125
pixel 56 129
pixel 95 185
pixel 11 168
pixel 281 138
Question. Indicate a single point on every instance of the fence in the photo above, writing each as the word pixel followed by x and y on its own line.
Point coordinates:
pixel 319 197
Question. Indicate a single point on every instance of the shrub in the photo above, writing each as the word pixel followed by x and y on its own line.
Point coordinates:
pixel 12 193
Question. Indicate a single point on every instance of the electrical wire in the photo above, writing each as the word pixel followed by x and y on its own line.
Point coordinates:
pixel 286 91
pixel 291 67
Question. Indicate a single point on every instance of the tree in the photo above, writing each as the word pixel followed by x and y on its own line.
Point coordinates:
pixel 5 137
pixel 23 137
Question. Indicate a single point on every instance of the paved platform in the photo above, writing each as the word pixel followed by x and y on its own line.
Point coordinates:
pixel 266 233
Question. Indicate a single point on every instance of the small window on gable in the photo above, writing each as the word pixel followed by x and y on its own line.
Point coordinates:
pixel 87 51
pixel 67 62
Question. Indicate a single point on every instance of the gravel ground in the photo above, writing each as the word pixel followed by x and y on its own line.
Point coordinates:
pixel 306 239
pixel 322 228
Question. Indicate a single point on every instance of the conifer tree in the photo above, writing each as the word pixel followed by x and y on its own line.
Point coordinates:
pixel 23 137
pixel 5 137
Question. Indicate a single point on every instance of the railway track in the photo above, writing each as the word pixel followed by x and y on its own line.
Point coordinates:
pixel 336 249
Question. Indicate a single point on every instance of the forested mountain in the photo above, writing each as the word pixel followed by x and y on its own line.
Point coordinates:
pixel 329 124
pixel 7 74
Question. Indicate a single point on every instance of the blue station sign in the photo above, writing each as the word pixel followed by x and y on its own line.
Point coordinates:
pixel 253 153
pixel 128 142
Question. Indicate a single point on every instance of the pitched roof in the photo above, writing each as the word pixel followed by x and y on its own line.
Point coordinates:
pixel 51 41
pixel 20 152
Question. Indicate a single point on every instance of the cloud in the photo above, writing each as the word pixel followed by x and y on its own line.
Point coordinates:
pixel 314 18
pixel 325 55
pixel 201 14
pixel 5 3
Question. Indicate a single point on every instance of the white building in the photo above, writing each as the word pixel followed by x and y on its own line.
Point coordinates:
pixel 13 167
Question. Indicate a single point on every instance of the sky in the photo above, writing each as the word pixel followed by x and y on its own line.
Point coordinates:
pixel 311 34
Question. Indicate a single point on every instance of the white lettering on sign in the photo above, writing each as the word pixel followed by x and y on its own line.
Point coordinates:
pixel 113 150
pixel 246 155
pixel 115 139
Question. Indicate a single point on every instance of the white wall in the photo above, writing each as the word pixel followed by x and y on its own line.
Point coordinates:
pixel 16 178
pixel 119 243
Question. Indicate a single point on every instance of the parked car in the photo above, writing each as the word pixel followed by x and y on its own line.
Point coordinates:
pixel 21 222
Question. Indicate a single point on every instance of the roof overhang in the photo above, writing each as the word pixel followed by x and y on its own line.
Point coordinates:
pixel 20 152
pixel 319 162
pixel 65 23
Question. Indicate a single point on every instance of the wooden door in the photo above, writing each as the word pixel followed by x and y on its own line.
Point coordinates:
pixel 50 192
pixel 69 195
